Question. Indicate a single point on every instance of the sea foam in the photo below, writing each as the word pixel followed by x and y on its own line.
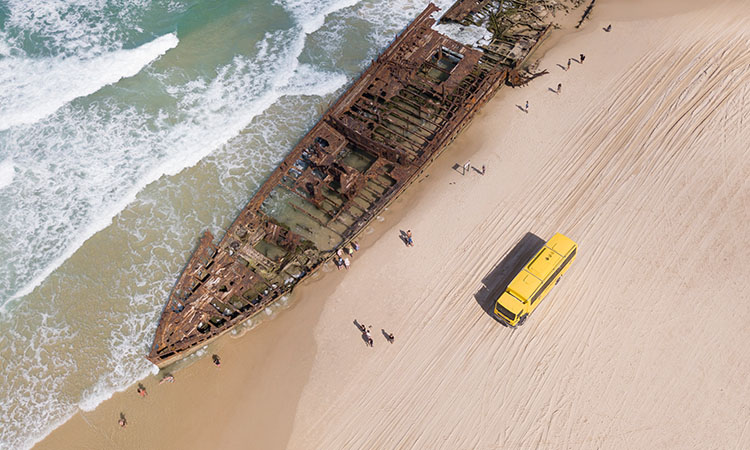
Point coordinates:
pixel 311 14
pixel 211 113
pixel 7 173
pixel 31 89
pixel 72 28
pixel 124 150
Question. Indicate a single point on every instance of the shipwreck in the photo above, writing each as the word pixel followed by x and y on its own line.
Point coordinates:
pixel 375 140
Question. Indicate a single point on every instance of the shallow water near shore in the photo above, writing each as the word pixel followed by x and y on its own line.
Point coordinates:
pixel 126 129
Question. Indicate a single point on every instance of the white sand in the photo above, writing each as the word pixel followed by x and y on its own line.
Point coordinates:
pixel 642 159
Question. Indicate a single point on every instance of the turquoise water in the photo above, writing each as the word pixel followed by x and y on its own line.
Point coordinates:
pixel 127 128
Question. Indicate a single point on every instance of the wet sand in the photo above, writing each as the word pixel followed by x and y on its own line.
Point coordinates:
pixel 642 159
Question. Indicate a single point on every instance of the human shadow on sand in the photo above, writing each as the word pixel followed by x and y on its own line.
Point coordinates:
pixel 363 330
pixel 404 237
pixel 495 282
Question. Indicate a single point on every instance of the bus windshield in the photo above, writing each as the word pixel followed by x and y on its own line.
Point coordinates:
pixel 502 310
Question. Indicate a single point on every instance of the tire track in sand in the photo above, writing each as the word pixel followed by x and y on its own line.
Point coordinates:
pixel 622 169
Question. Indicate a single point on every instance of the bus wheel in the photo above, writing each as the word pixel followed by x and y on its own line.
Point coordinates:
pixel 558 280
pixel 522 319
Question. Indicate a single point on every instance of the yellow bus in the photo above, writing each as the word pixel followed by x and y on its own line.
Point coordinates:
pixel 535 280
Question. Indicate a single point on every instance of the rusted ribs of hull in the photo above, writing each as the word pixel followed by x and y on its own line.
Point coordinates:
pixel 367 148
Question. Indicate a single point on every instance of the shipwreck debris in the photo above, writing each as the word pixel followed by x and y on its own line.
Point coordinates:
pixel 371 144
pixel 518 78
pixel 586 13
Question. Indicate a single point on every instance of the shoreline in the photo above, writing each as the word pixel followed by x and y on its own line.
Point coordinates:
pixel 323 350
pixel 365 151
pixel 219 386
pixel 320 279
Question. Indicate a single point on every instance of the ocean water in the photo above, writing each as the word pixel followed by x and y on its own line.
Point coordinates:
pixel 126 128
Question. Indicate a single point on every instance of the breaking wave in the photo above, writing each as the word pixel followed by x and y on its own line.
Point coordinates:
pixel 31 89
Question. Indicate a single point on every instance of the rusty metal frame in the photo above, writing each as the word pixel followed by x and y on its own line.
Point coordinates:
pixel 393 121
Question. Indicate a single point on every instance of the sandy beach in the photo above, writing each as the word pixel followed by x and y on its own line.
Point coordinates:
pixel 642 159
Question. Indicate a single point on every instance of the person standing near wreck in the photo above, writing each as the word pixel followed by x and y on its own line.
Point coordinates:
pixel 409 240
pixel 368 335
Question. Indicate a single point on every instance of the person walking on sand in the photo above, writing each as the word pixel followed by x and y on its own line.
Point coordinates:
pixel 409 240
pixel 216 360
pixel 142 391
pixel 568 64
pixel 123 421
pixel 559 87
pixel 608 28
pixel 582 57
pixel 483 168
pixel 368 335
pixel 527 107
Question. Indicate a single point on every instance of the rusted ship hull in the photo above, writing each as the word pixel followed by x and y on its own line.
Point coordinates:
pixel 367 148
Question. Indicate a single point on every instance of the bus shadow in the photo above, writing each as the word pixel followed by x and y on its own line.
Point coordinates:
pixel 495 282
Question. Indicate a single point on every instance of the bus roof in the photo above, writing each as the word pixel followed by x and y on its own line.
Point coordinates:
pixel 541 266
pixel 544 263
pixel 524 285
pixel 510 303
pixel 561 244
